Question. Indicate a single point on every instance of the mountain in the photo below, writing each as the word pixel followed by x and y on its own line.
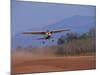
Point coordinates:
pixel 75 23
pixel 79 24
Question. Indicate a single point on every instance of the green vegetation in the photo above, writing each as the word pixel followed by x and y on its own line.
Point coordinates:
pixel 75 44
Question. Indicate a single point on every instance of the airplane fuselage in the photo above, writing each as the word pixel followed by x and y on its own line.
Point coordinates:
pixel 48 35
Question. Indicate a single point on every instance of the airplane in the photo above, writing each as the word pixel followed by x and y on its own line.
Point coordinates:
pixel 47 34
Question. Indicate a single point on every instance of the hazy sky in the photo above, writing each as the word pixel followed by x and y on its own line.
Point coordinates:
pixel 27 15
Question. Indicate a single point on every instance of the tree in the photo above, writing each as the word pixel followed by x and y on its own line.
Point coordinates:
pixel 67 38
pixel 71 36
pixel 61 41
pixel 84 36
pixel 92 32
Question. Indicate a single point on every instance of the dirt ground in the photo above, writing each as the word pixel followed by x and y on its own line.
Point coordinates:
pixel 28 64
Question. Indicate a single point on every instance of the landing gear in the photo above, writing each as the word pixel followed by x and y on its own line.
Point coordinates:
pixel 44 41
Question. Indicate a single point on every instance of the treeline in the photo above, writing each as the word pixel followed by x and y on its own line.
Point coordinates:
pixel 76 44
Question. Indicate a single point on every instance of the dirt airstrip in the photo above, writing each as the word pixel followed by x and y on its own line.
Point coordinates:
pixel 29 64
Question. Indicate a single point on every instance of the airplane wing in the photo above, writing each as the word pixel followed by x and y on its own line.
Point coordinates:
pixel 33 33
pixel 57 31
